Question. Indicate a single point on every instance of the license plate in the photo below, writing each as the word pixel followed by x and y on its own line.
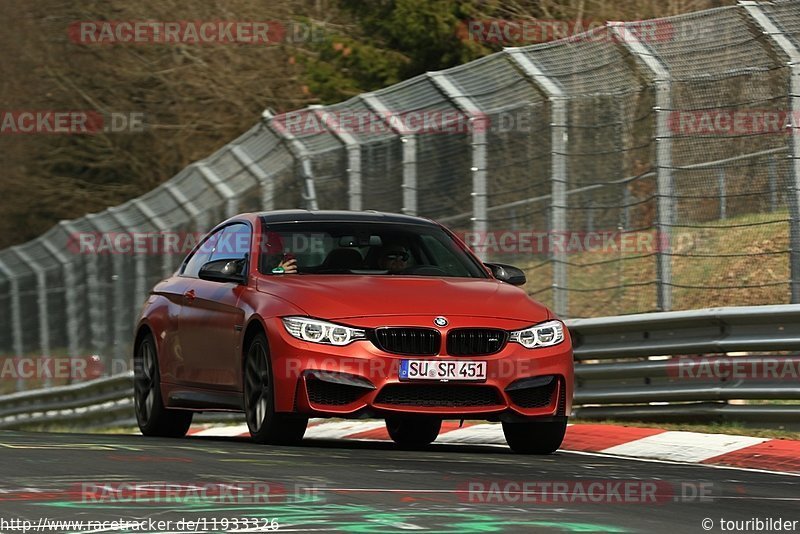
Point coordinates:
pixel 442 370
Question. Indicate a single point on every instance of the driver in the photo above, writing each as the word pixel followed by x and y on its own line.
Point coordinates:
pixel 394 258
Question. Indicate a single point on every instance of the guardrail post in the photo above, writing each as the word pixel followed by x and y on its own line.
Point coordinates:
pixel 768 27
pixel 409 141
pixel 353 148
pixel 70 296
pixel 663 141
pixel 478 126
pixel 41 301
pixel 301 154
pixel 266 182
pixel 559 139
pixel 16 316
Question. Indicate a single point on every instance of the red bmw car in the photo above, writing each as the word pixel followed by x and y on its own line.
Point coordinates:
pixel 294 314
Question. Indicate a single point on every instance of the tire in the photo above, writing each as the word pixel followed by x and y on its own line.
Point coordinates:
pixel 413 432
pixel 535 438
pixel 151 415
pixel 264 424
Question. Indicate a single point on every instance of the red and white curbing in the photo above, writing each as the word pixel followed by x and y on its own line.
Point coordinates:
pixel 776 455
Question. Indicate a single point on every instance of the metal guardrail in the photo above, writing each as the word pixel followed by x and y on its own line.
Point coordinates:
pixel 97 402
pixel 714 330
pixel 103 402
pixel 627 367
pixel 638 367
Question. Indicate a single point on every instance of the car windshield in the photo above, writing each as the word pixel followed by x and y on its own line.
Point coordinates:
pixel 372 248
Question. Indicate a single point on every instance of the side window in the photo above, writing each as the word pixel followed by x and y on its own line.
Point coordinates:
pixel 201 255
pixel 233 244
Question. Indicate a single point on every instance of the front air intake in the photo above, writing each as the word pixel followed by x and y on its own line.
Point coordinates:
pixel 410 341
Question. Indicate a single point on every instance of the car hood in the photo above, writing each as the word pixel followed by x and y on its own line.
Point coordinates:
pixel 347 296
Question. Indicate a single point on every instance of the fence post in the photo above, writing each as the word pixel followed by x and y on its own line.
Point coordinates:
pixel 559 140
pixel 478 141
pixel 353 148
pixel 93 296
pixel 98 317
pixel 141 258
pixel 768 27
pixel 70 296
pixel 187 205
pixel 409 141
pixel 41 301
pixel 224 190
pixel 16 316
pixel 626 211
pixel 773 184
pixel 300 154
pixel 722 186
pixel 663 141
pixel 264 179
pixel 121 329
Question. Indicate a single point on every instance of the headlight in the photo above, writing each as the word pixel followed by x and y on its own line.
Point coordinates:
pixel 317 331
pixel 541 335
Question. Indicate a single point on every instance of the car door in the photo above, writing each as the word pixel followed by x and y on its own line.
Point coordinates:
pixel 176 369
pixel 211 322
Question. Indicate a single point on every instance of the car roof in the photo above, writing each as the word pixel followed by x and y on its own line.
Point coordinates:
pixel 341 215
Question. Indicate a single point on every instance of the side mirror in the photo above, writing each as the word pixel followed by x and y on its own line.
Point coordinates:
pixel 233 271
pixel 507 273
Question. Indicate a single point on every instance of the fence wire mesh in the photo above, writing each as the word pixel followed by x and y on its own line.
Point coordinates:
pixel 638 167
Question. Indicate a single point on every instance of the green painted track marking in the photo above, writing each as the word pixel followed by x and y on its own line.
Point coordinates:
pixel 307 510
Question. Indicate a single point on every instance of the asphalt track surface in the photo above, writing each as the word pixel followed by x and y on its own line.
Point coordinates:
pixel 357 486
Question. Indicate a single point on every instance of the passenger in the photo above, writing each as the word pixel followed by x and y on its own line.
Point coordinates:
pixel 274 252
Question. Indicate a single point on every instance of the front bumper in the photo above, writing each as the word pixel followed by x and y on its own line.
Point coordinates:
pixel 360 380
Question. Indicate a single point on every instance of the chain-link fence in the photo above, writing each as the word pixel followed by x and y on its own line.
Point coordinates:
pixel 638 167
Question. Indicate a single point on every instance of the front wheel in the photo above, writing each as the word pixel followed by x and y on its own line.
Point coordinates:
pixel 264 424
pixel 151 415
pixel 413 431
pixel 535 437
